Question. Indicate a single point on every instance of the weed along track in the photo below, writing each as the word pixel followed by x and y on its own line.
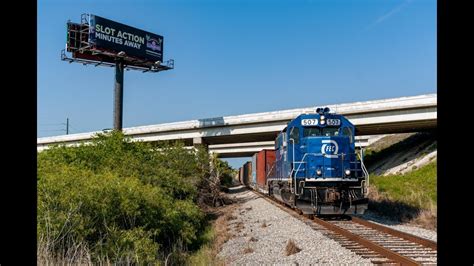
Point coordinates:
pixel 380 244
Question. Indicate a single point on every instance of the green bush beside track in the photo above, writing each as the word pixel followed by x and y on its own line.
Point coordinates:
pixel 121 201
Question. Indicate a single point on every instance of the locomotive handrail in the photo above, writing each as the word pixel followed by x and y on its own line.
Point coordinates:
pixel 271 169
pixel 316 154
pixel 293 173
pixel 268 174
pixel 303 161
pixel 299 166
pixel 364 170
pixel 292 156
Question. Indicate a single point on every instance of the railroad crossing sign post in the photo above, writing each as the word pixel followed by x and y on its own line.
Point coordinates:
pixel 102 42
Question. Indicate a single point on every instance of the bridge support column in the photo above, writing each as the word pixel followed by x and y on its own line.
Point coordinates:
pixel 200 142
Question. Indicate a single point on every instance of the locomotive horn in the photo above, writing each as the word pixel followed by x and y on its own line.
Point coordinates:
pixel 318 110
pixel 326 110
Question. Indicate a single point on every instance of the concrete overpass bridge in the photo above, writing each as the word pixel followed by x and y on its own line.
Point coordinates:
pixel 243 135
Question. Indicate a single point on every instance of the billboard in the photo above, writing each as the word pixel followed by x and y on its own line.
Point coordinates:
pixel 110 36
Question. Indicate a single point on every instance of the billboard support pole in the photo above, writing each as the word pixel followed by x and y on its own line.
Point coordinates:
pixel 118 94
pixel 89 42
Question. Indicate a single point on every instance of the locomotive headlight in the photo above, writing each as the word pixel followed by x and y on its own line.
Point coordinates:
pixel 348 172
pixel 322 122
pixel 322 117
pixel 318 172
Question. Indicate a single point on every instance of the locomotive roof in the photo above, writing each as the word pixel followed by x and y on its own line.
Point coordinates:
pixel 317 114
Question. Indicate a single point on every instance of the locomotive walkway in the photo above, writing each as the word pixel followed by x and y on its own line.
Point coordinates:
pixel 243 135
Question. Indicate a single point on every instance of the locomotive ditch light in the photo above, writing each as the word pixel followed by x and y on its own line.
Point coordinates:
pixel 348 172
pixel 318 172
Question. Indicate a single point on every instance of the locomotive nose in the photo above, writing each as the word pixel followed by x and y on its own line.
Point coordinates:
pixel 327 159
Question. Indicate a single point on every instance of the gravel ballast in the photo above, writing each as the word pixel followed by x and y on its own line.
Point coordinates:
pixel 410 229
pixel 261 232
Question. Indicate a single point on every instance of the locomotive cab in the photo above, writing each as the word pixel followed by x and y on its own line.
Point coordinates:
pixel 317 168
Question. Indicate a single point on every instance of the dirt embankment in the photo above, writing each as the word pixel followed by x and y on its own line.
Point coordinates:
pixel 397 156
pixel 401 153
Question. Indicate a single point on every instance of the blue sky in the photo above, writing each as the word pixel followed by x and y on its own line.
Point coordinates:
pixel 235 57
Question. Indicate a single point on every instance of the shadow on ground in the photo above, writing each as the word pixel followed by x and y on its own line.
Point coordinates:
pixel 240 194
pixel 392 212
pixel 237 189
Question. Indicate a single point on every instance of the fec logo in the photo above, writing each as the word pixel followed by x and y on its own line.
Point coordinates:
pixel 329 148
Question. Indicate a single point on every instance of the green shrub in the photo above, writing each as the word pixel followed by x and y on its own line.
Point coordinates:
pixel 128 202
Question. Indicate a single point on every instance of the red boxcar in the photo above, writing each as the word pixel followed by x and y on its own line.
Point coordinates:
pixel 247 177
pixel 265 160
pixel 241 175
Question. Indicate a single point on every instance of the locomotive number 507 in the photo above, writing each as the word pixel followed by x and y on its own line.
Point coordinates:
pixel 309 122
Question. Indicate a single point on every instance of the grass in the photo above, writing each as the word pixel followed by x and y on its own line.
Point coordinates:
pixel 214 237
pixel 78 255
pixel 416 188
pixel 411 197
pixel 205 255
pixel 291 248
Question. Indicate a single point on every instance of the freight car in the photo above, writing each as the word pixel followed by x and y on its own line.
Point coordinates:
pixel 315 166
pixel 247 173
pixel 241 174
pixel 262 163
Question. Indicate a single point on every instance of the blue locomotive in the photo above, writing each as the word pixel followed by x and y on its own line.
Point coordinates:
pixel 317 168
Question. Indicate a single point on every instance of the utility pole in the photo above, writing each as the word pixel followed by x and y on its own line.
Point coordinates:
pixel 118 94
pixel 67 126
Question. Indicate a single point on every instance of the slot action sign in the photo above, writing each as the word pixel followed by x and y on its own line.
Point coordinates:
pixel 111 36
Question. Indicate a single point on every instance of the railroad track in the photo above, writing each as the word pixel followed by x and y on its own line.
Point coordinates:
pixel 380 244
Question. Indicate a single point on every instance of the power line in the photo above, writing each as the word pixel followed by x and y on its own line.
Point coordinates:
pixel 67 129
pixel 57 124
pixel 74 128
pixel 51 124
pixel 51 130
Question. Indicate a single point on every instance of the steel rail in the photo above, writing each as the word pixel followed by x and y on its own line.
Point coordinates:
pixel 359 241
pixel 415 239
pixel 367 243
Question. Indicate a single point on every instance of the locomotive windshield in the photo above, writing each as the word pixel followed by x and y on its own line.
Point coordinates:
pixel 317 131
